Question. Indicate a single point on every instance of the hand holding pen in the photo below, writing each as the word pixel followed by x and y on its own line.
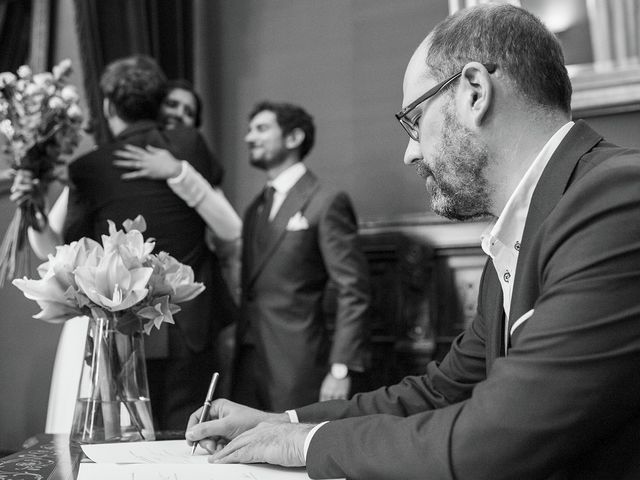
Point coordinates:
pixel 206 405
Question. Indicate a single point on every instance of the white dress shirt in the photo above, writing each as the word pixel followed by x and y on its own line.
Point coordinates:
pixel 283 183
pixel 502 242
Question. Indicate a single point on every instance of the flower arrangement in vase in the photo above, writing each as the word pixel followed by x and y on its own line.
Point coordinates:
pixel 126 290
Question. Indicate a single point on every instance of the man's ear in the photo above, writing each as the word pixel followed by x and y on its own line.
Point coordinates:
pixel 107 108
pixel 294 139
pixel 477 92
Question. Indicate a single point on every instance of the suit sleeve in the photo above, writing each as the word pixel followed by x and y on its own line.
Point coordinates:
pixel 568 383
pixel 348 270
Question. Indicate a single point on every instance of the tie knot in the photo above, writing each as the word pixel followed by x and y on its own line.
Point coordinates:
pixel 267 194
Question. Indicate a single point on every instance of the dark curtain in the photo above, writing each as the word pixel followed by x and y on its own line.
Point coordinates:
pixel 108 30
pixel 15 33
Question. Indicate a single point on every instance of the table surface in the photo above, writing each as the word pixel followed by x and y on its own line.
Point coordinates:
pixel 52 457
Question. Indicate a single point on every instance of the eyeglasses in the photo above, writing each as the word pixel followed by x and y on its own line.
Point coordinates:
pixel 410 124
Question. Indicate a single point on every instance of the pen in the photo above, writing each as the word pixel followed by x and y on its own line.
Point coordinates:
pixel 207 404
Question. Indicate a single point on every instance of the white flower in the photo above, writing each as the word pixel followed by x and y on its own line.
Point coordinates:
pixel 62 69
pixel 69 94
pixel 130 246
pixel 7 78
pixel 55 103
pixel 51 297
pixel 74 112
pixel 111 285
pixel 24 71
pixel 43 79
pixel 6 128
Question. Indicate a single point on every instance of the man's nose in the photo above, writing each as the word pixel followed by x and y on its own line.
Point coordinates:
pixel 412 154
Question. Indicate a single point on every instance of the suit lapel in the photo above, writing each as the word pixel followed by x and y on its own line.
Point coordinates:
pixel 552 184
pixel 296 201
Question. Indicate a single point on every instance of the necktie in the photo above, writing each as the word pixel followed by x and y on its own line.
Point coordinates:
pixel 262 223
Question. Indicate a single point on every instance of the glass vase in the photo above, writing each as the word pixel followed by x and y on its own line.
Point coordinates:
pixel 113 396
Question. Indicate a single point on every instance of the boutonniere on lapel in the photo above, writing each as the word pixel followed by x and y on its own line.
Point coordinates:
pixel 297 222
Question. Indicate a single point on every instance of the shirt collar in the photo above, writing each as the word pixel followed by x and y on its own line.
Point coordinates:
pixel 288 178
pixel 509 226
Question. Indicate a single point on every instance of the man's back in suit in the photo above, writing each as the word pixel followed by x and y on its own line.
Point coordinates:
pixel 179 356
pixel 104 196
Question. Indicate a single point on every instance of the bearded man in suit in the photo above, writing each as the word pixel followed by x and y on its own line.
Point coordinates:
pixel 545 381
pixel 179 357
pixel 294 242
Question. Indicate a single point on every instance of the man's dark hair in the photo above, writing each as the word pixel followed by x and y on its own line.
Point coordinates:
pixel 510 37
pixel 290 117
pixel 135 86
pixel 184 84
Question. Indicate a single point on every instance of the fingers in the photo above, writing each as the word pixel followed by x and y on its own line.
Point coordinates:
pixel 131 152
pixel 234 452
pixel 212 429
pixel 137 167
pixel 23 187
pixel 215 428
pixel 131 164
pixel 133 175
pixel 135 149
pixel 194 418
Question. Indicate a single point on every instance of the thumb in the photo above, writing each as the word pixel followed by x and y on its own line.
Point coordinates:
pixel 210 425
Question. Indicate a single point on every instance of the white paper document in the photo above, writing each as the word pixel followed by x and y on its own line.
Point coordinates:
pixel 170 460
pixel 165 451
pixel 157 471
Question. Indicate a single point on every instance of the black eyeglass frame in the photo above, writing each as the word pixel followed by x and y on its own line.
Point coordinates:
pixel 409 125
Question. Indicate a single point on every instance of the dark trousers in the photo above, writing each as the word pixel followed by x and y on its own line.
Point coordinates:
pixel 177 388
pixel 248 389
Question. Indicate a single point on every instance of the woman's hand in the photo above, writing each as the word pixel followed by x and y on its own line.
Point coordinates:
pixel 149 162
pixel 24 187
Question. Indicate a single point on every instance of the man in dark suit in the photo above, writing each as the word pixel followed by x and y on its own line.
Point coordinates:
pixel 179 356
pixel 293 244
pixel 545 381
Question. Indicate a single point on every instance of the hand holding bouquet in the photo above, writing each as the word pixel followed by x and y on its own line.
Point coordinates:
pixel 41 119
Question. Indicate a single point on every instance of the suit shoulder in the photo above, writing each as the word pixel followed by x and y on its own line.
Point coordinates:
pixel 609 156
pixel 605 189
pixel 183 135
pixel 95 155
pixel 332 195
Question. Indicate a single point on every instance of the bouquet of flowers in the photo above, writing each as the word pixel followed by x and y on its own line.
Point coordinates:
pixel 41 120
pixel 126 290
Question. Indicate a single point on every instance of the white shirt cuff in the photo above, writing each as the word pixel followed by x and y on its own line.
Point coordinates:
pixel 310 435
pixel 181 175
pixel 293 416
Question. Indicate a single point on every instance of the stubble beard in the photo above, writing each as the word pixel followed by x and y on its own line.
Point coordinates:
pixel 267 162
pixel 459 189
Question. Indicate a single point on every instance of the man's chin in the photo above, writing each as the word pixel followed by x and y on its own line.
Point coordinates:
pixel 258 163
pixel 447 209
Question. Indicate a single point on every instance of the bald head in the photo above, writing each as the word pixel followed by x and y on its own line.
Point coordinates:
pixel 526 52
